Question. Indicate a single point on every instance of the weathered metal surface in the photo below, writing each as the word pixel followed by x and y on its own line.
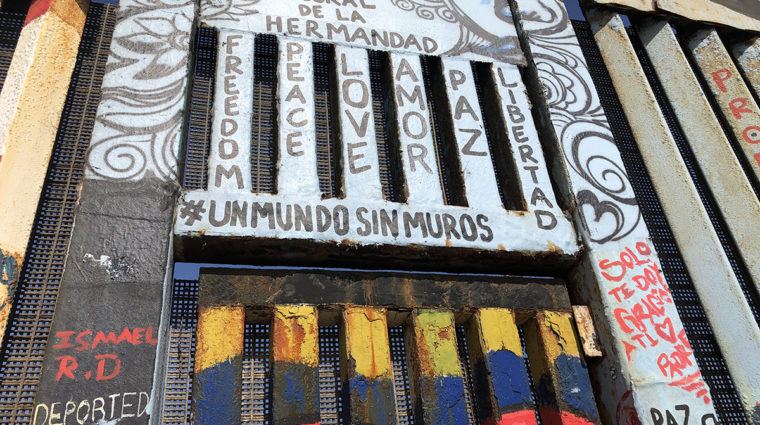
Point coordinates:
pixel 735 102
pixel 730 13
pixel 472 30
pixel 746 54
pixel 698 243
pixel 298 146
pixel 368 374
pixel 592 179
pixel 499 369
pixel 438 380
pixel 361 169
pixel 526 149
pixel 563 391
pixel 229 164
pixel 586 331
pixel 32 101
pixel 414 130
pixel 295 371
pixel 724 175
pixel 118 258
pixel 265 288
pixel 480 187
pixel 218 365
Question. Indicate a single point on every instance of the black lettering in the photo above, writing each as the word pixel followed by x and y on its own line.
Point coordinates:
pixel 229 127
pixel 467 149
pixel 324 219
pixel 239 213
pixel 303 218
pixel 286 224
pixel 233 148
pixel 465 222
pixel 231 64
pixel 359 129
pixel 539 195
pixel 414 97
pixel 656 416
pixel 230 105
pixel 439 227
pixel 296 93
pixel 515 115
pixel 422 125
pixel 404 68
pixel 418 221
pixel 363 100
pixel 526 153
pixel 267 211
pixel 482 220
pixel 353 157
pixel 542 216
pixel 457 78
pixel 294 123
pixel 367 225
pixel 291 145
pixel 340 219
pixel 532 169
pixel 519 136
pixel 464 107
pixel 231 42
pixel 450 226
pixel 419 157
pixel 389 222
pixel 685 409
pixel 212 214
pixel 274 25
pixel 227 173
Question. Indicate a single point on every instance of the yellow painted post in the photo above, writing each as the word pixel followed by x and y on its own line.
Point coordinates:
pixel 499 371
pixel 368 376
pixel 295 365
pixel 32 102
pixel 219 365
pixel 562 385
pixel 437 375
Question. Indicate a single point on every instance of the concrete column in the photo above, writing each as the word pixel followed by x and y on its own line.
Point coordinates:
pixel 32 102
pixel 368 377
pixel 709 267
pixel 563 390
pixel 295 365
pixel 438 380
pixel 219 365
pixel 119 261
pixel 498 367
pixel 619 272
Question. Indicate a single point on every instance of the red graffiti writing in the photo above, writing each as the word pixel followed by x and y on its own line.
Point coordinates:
pixel 108 365
pixel 642 313
pixel 738 108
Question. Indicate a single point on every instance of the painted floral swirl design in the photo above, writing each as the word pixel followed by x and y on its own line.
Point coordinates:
pixel 138 123
pixel 605 197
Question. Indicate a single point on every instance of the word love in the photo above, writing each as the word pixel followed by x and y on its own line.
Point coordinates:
pixel 108 365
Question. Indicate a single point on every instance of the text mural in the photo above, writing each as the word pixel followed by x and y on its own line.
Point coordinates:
pixel 363 216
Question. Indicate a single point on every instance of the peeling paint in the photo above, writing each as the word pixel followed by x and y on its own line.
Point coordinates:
pixel 295 334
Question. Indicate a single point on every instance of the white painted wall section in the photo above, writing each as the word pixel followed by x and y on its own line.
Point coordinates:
pixel 525 145
pixel 361 169
pixel 230 152
pixel 472 146
pixel 415 136
pixel 297 169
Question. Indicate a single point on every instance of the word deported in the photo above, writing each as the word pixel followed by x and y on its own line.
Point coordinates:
pixel 99 410
pixel 108 364
pixel 645 316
